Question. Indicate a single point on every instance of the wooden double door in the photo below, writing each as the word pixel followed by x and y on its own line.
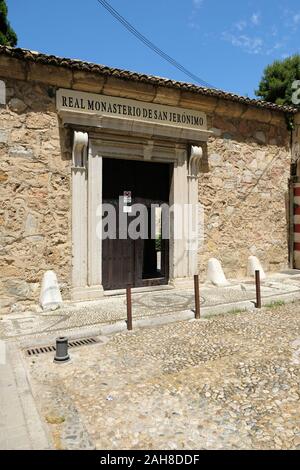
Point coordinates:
pixel 142 259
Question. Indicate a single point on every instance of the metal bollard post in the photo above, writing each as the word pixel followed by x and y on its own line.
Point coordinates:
pixel 61 354
pixel 129 308
pixel 197 297
pixel 258 292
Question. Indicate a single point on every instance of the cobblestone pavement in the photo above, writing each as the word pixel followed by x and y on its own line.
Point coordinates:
pixel 231 382
pixel 146 304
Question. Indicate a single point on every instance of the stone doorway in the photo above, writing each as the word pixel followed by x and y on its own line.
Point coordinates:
pixel 89 153
pixel 142 261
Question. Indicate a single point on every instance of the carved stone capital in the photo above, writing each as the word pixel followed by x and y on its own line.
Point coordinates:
pixel 195 160
pixel 80 144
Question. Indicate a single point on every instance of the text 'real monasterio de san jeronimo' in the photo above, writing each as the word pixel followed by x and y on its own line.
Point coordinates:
pixel 75 135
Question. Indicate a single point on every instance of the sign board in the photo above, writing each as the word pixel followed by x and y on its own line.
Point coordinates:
pixel 127 197
pixel 102 105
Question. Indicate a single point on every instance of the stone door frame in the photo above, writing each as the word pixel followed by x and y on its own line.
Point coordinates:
pixel 116 138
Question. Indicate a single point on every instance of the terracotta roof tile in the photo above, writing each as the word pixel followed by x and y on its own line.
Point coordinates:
pixel 75 64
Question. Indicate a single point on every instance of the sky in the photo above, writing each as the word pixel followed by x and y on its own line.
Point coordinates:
pixel 225 43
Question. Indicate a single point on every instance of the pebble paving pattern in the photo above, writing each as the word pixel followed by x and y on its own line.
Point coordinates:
pixel 231 382
pixel 112 309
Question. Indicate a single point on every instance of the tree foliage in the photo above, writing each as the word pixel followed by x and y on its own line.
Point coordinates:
pixel 277 80
pixel 7 35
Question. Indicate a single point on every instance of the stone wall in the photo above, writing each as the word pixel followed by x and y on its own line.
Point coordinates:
pixel 245 191
pixel 245 195
pixel 34 195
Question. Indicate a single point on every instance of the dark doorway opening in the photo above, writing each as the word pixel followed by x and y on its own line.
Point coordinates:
pixel 144 260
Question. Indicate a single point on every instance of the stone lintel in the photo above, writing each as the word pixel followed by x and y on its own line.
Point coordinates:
pixel 90 82
pixel 51 74
pixel 190 100
pixel 129 89
pixel 12 68
pixel 167 96
pixel 134 127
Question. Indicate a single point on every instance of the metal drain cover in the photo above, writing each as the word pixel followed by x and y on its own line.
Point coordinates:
pixel 75 343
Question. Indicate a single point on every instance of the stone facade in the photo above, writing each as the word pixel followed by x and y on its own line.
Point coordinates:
pixel 35 194
pixel 245 194
pixel 243 185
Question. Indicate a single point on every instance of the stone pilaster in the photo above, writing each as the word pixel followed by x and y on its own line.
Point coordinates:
pixel 194 210
pixel 94 220
pixel 79 212
pixel 180 198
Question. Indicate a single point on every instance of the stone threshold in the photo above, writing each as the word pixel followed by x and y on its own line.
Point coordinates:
pixel 137 290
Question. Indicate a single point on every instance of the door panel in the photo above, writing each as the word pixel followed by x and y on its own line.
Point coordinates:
pixel 118 268
pixel 129 261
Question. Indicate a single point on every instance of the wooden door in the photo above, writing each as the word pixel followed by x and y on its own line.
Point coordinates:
pixel 127 261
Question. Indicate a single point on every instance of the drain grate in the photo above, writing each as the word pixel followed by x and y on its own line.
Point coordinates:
pixel 72 344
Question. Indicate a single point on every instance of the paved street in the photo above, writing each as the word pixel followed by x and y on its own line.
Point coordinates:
pixel 88 318
pixel 230 382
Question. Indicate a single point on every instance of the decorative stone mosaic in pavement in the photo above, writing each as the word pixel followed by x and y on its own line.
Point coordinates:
pixel 231 382
pixel 147 304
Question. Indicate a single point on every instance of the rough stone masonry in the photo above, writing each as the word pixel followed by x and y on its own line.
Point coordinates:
pixel 244 182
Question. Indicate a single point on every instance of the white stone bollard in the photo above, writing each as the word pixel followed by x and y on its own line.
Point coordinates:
pixel 255 265
pixel 215 273
pixel 50 297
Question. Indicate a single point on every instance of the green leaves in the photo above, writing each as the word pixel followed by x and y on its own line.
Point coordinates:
pixel 7 35
pixel 277 80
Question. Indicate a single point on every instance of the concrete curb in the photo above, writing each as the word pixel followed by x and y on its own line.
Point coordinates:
pixel 24 428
